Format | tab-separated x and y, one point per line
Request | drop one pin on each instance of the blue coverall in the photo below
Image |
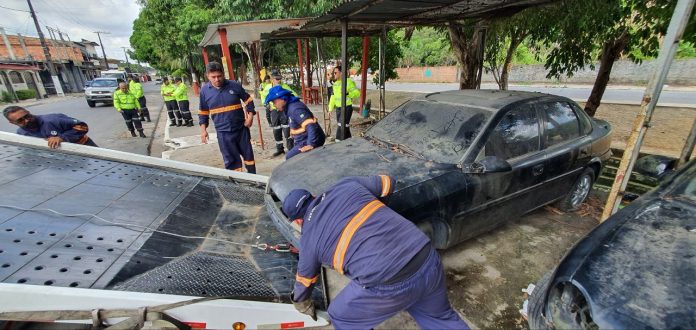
58	124
224	106
349	229
304	128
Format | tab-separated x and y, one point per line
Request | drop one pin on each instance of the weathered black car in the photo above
637	270
464	161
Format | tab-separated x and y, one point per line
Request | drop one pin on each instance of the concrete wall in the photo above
682	72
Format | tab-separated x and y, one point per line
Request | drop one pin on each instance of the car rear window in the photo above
105	83
441	132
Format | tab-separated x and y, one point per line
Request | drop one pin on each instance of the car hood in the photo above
322	167
637	269
100	89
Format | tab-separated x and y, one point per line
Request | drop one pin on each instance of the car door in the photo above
567	144
497	197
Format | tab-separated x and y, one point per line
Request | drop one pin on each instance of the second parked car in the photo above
101	90
464	161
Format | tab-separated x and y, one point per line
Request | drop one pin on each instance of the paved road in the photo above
620	95
106	126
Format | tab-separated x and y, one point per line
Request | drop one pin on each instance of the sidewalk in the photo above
184	144
48	100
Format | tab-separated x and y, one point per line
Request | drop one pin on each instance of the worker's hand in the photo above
306	148
248	119
306	307
204	136
54	142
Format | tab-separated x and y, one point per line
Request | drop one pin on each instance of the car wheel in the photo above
535	305
578	193
91	104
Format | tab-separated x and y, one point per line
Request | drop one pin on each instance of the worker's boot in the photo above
279	151
133	133
178	123
141	133
190	123
172	122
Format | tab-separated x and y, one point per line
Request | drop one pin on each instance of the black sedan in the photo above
637	270
465	161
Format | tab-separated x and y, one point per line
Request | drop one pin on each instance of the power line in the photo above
8	8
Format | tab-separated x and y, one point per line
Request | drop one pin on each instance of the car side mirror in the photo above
490	164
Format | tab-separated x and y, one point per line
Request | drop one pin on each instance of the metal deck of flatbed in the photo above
43	248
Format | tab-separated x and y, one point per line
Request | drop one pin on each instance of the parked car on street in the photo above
465	161
634	271
101	90
88	83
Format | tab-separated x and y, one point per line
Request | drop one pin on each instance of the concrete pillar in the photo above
27	55
226	53
7	44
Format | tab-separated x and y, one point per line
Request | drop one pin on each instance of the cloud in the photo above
78	18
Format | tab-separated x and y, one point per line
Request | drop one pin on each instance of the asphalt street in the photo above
106	126
631	95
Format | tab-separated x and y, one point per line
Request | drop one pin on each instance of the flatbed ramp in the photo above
76	221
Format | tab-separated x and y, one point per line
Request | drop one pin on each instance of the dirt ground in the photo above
485	275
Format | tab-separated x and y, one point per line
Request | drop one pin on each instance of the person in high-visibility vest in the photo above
137	89
127	104
342	132
181	96
167	91
391	263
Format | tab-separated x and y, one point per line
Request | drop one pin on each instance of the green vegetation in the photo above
6	97
25	94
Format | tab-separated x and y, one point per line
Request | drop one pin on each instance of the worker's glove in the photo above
305	307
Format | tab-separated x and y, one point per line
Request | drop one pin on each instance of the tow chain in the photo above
283	247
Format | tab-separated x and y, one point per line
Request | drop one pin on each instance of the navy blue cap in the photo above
296	203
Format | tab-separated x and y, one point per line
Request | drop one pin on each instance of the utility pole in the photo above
106	63
126	54
47	53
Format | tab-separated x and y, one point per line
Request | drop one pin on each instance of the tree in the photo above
466	40
608	29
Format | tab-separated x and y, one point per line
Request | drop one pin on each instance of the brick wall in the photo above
34	47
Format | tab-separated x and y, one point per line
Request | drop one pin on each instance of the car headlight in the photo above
568	308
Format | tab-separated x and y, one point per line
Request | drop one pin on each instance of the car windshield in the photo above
104	83
438	131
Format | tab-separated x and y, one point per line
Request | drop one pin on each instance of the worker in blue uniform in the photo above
391	263
221	100
304	129
55	127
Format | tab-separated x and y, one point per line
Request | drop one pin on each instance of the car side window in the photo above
516	134
585	121
562	123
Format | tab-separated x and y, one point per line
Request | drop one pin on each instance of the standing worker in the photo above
391	263
55	128
167	91
306	132
335	102
137	89
221	100
127	104
181	96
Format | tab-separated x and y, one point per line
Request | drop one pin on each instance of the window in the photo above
561	123
517	134
585	121
16	78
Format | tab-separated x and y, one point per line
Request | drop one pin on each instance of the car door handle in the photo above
538	170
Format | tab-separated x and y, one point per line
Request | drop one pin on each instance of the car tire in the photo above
578	193
535	304
91	104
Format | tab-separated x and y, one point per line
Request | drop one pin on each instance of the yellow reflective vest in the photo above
351	92
181	92
125	101
165	89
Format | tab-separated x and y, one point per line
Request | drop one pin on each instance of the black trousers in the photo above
340	130
173	111
132	119
184	110
144	112
279	123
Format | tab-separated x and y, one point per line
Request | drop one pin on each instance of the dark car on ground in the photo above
637	270
464	161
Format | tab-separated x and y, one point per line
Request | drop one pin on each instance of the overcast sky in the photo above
78	18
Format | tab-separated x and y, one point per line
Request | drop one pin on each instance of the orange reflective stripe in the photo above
386	185
349	231
249	162
225	109
203	112
303	126
82	140
238	169
80	128
306	281
248	99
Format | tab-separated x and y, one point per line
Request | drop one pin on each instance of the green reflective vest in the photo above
136	88
125	101
165	89
351	92
181	92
